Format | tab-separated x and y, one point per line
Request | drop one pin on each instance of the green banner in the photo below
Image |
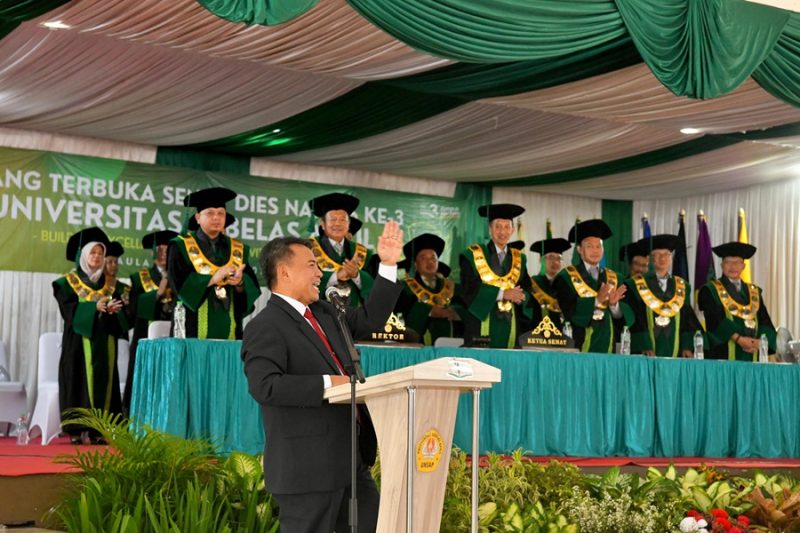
45	197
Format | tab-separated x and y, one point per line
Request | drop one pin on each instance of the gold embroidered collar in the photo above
427	296
583	289
327	264
666	309
88	294
203	265
744	311
543	298
147	281
490	277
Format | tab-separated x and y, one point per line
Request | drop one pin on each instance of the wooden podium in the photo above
414	412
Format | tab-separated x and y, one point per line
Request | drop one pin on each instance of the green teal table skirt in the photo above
585	405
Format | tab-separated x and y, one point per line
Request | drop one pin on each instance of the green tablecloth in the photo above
547	404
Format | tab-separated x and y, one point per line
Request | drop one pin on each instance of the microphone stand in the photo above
357	374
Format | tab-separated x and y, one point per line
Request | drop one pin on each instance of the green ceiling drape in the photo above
493	31
779	74
475	81
702	48
263	12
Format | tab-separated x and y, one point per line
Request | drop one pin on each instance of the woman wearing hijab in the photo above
90	306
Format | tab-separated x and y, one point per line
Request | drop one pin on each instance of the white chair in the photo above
158	329
47	413
123	355
13	400
456	342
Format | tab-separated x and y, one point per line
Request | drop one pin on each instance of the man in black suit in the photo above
289	365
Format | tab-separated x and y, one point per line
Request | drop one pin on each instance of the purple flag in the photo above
703	262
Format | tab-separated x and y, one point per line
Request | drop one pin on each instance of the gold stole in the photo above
203	265
147	281
746	312
427	296
88	294
326	262
543	298
583	289
664	309
489	277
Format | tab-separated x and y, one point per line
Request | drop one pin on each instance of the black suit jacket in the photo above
307	439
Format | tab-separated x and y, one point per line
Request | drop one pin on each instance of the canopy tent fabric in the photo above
556	95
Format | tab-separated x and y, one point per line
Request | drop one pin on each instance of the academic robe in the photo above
87	372
416	309
721	323
330	261
484	317
207	316
548	299
646	333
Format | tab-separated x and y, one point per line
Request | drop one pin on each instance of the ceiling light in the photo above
276	130
690	131
56	25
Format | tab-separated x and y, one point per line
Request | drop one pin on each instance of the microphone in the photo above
334	296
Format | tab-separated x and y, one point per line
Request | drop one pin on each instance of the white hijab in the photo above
84	261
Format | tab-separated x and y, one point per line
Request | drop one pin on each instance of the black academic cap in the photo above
333	201
157	238
546	246
589	228
355	225
504	211
444	269
633	249
114	249
426	241
516	245
735	249
660	242
211	197
193	224
77	241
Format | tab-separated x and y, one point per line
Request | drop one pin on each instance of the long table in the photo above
560	404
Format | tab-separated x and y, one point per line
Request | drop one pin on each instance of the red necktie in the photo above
314	324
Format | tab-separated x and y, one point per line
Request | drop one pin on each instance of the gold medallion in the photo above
220	292
662	321
749	323
598	314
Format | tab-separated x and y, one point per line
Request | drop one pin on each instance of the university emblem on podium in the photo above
429	451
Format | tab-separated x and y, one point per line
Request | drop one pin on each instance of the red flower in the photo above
724	522
742	519
719	513
694	514
735	530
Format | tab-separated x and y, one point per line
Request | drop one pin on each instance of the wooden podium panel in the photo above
414	412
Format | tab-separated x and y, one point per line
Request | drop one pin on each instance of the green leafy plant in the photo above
152	481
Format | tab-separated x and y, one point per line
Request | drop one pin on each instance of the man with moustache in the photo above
292	352
544	301
636	256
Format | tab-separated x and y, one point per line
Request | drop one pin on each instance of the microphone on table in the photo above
334	295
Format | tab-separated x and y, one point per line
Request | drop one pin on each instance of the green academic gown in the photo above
592	329
722	322
484	317
664	321
544	302
329	262
144	308
207	315
87	374
416	302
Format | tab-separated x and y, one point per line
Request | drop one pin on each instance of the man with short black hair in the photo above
292	352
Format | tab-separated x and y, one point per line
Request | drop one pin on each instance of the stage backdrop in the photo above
45	197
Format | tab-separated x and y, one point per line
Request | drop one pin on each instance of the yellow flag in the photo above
743	238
